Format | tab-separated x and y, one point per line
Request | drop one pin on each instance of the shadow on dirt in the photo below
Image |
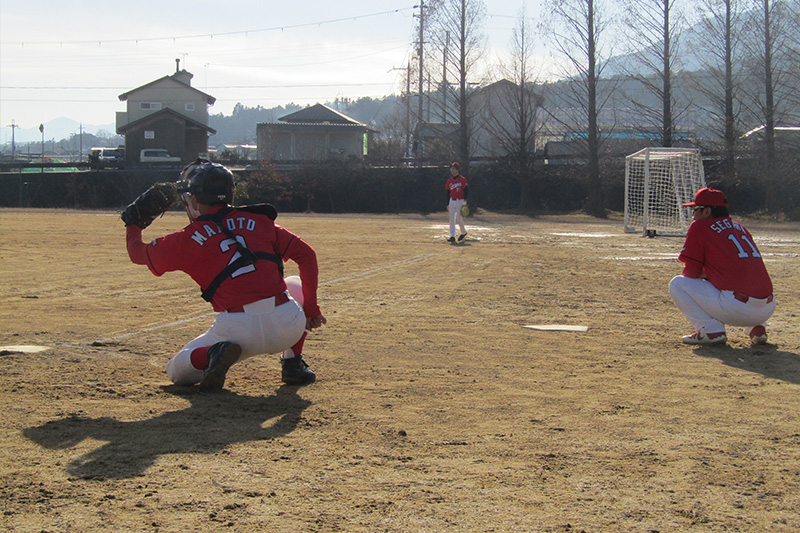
210	424
766	360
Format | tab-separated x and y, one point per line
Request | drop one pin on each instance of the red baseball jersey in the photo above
723	251
456	186
203	250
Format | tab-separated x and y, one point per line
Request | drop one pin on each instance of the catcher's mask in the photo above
211	183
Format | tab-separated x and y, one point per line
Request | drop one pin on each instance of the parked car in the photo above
157	155
107	157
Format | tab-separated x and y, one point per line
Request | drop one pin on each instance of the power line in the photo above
296	86
272	49
100	42
252	56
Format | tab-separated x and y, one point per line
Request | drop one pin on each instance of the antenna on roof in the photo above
177	65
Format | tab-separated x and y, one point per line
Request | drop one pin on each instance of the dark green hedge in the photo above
350	187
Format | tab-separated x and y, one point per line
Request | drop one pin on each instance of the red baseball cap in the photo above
709	198
456	166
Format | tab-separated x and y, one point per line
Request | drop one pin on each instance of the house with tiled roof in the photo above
315	133
167	113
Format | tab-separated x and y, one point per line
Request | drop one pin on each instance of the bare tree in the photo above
653	28
454	33
722	57
392	144
510	115
575	28
774	73
398	125
791	10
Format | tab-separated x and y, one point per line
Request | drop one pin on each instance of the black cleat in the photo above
451	239
295	371
221	357
462	237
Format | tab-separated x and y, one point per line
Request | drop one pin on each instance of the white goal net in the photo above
657	182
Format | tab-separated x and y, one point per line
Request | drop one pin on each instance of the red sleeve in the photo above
142	253
137	250
692	269
290	246
692	254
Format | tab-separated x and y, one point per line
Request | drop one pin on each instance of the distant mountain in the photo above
58	129
689	56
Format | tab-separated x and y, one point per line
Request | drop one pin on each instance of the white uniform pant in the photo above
261	329
454	209
709	309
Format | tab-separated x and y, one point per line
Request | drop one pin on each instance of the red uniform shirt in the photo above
456	186
723	251
202	250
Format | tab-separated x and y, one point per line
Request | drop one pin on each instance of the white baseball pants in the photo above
454	209
261	329
709	309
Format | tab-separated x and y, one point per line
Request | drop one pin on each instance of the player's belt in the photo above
745	298
280	299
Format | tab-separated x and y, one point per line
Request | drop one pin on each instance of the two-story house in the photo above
167	113
494	116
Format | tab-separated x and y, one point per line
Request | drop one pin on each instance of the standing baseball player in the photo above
457	192
724	280
236	255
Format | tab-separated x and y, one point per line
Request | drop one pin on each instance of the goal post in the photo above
657	182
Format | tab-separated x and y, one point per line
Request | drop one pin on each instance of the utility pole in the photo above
420	92
408	109
463	138
13	127
445	87
80	133
41	129
421	53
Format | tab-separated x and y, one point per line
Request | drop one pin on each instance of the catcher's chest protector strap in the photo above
246	256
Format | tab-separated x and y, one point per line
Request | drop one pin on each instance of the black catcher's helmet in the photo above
211	183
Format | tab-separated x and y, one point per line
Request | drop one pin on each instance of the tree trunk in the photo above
594	201
772	195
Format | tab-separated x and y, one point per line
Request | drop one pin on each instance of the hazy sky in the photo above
74	58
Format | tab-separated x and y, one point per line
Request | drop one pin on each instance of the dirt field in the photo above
434	410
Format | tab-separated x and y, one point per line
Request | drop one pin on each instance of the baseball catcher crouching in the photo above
236	255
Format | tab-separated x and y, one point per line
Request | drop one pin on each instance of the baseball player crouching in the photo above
236	255
724	280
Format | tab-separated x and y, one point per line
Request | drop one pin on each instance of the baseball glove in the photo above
464	210
150	205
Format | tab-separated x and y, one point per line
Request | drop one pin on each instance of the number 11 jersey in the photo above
723	251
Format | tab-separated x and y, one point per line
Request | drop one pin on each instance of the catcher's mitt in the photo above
464	210
150	205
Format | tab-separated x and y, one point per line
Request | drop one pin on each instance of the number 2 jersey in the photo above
723	251
203	250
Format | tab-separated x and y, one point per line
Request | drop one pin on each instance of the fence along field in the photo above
435	408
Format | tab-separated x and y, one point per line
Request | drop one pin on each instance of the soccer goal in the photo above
657	182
